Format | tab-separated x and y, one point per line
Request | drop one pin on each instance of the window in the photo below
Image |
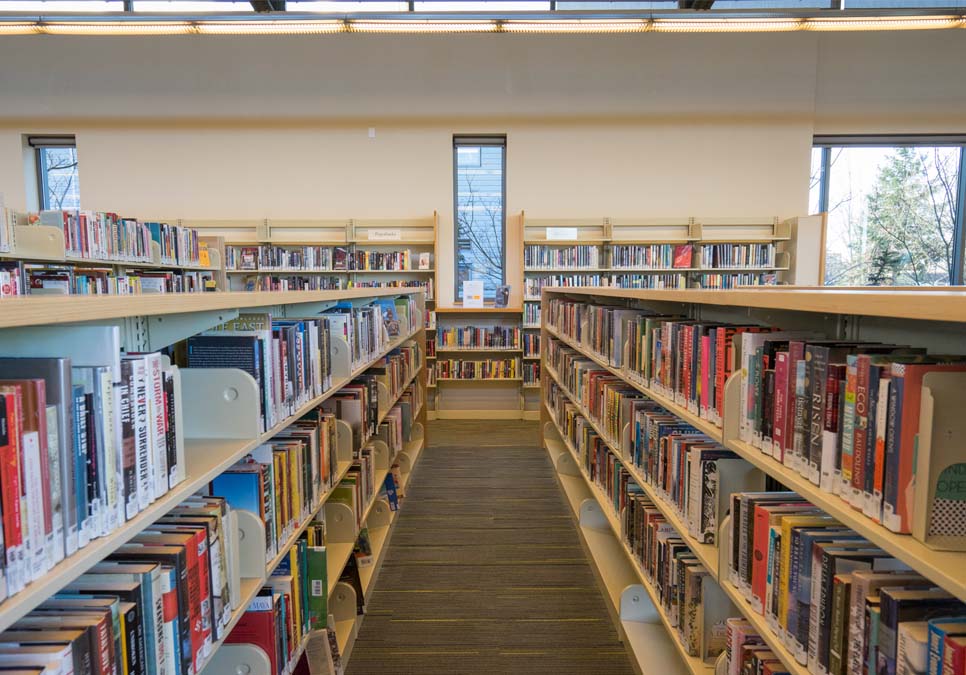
479	167
58	185
894	216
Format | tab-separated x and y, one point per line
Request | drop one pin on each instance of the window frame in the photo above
477	140
827	142
39	144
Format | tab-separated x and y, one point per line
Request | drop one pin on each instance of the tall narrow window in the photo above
479	168
894	211
58	184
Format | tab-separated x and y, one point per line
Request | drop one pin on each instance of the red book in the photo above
257	627
780	417
11	430
35	419
705	372
682	255
954	655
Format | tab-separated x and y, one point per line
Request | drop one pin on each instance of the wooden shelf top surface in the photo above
927	304
41	310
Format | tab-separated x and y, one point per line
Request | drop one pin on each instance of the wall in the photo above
648	125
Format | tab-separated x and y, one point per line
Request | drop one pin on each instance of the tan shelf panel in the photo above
927	304
497	350
46	310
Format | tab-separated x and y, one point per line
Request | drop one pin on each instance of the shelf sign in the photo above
561	233
385	235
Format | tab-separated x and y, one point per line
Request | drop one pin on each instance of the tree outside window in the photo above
59	182
892	214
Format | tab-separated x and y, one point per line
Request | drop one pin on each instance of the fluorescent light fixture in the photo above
417	26
18	28
115	28
725	25
884	23
268	27
576	26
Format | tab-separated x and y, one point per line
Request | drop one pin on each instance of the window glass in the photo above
891	215
480	208
59	182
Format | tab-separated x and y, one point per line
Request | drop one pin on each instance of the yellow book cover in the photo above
295	482
124	648
293	558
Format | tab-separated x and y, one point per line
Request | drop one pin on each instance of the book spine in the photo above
779	422
861	424
816	374
894	431
848	428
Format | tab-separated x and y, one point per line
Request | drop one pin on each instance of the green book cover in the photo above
317	581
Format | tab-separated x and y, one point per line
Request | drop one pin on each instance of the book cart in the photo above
220	426
929	318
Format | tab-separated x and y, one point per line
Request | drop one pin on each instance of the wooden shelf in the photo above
926	304
287	272
693	664
479	310
478	380
497	350
206	458
942	567
48	310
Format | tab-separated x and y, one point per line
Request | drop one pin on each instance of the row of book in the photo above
531	372
430	319
479	337
746	652
278	258
533	285
430	348
531	344
685	467
531	314
537	256
693	605
737	255
276	282
155	606
651	256
85	448
859	442
837	602
426	284
19	278
735	280
488	369
284	480
293	257
290	359
108	236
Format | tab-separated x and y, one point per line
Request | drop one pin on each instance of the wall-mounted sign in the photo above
561	233
385	235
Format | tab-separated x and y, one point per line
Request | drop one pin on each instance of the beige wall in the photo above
653	125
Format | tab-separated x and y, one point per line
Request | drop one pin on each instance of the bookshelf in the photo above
466	339
933	319
219	416
42	240
658	253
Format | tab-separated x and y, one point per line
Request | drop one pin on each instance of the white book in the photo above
157	426
32	507
142	433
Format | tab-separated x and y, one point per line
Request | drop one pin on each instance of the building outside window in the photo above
894	215
479	169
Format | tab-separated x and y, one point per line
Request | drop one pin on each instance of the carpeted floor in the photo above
485	572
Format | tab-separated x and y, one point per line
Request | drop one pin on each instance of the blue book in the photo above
391	496
938	629
241	489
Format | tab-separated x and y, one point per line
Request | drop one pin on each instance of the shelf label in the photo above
385	235
561	233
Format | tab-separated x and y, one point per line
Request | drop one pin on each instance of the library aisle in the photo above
485	572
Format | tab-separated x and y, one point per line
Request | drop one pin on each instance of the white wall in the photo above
646	125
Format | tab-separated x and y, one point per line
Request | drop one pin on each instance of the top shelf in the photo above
46	310
479	310
927	304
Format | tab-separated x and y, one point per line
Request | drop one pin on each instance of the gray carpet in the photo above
485	572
